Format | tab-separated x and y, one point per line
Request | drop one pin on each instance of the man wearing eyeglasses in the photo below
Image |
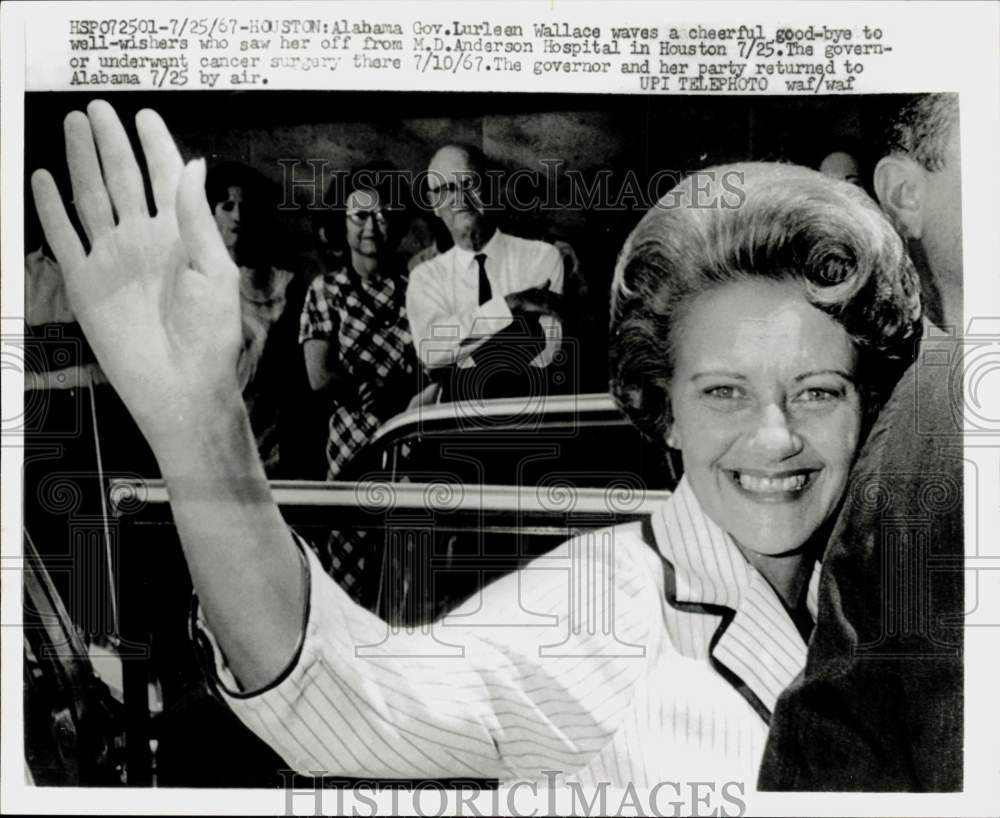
485	313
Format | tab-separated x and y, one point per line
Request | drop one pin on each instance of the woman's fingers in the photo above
198	230
162	158
121	171
59	231
89	194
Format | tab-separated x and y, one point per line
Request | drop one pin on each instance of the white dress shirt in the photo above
442	299
615	661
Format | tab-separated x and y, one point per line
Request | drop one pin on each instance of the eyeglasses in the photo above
467	185
360	217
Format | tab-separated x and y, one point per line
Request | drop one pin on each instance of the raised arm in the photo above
158	299
539	685
157	296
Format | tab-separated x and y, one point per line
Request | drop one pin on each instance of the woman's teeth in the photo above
770	485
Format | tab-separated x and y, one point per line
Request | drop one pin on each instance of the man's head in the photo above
918	182
454	180
841	165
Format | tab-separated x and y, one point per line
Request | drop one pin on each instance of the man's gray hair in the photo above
922	127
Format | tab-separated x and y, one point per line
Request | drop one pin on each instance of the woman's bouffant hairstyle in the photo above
769	222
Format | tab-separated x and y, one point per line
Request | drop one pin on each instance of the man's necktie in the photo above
485	291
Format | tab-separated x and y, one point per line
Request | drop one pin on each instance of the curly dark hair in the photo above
256	245
764	221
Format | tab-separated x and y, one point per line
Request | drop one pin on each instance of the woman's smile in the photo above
766	412
772	488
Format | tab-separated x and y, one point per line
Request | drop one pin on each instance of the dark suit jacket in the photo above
879	704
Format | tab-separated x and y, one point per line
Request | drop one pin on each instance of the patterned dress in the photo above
365	319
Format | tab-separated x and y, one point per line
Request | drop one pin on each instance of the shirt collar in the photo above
709	568
465	257
758	644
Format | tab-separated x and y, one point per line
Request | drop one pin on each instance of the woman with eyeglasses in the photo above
243	206
354	332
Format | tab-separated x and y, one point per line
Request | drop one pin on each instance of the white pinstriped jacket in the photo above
605	660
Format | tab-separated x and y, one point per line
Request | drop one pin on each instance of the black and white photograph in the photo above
393	450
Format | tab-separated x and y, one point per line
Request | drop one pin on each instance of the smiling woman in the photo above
753	338
756	340
354	330
767	417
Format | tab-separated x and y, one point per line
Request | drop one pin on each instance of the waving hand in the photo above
157	295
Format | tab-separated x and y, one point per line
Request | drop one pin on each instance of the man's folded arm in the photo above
440	334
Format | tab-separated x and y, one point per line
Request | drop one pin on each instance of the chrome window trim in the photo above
588	404
129	495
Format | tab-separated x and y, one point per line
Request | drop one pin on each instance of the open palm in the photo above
157	295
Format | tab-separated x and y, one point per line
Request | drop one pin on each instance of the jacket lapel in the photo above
756	646
760	645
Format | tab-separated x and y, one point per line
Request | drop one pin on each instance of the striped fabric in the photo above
616	662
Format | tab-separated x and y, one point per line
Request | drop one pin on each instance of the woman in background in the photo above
243	207
357	345
354	332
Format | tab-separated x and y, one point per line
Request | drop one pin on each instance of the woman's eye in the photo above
818	394
724	392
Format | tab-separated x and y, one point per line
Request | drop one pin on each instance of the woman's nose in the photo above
774	435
